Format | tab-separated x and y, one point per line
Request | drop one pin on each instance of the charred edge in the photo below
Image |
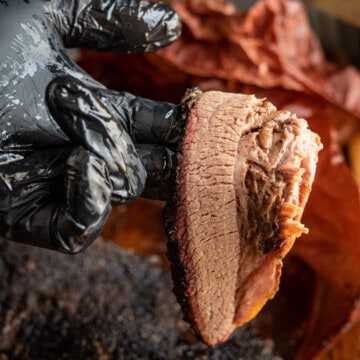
178	275
178	272
187	103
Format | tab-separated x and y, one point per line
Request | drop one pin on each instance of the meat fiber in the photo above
245	171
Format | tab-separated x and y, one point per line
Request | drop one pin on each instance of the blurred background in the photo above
336	22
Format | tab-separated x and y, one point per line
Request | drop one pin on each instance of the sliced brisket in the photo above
244	176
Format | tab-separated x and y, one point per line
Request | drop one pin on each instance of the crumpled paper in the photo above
272	52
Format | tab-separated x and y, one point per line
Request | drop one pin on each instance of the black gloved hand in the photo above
66	159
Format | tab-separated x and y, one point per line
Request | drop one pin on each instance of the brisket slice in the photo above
244	175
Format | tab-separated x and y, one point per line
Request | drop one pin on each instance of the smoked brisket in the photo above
245	171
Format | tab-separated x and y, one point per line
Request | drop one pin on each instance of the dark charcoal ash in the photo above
104	304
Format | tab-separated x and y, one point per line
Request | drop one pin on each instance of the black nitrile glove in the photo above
70	148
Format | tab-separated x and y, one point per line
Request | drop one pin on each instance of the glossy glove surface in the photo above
69	147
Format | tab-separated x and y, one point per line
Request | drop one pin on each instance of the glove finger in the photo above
30	187
159	163
147	121
36	208
85	119
119	25
80	220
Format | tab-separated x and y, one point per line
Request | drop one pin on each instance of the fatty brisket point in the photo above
244	174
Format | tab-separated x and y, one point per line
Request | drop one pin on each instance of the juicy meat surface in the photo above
245	172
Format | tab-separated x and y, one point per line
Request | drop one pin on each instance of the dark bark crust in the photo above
178	271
